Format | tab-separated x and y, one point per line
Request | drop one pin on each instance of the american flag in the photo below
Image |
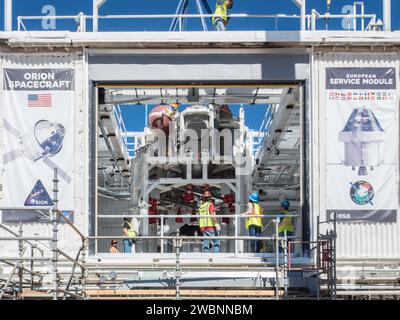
39	100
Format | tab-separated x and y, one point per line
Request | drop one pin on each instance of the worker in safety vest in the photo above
220	18
254	221
128	231
209	226
285	224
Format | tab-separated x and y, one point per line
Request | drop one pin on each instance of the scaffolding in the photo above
15	289
77	288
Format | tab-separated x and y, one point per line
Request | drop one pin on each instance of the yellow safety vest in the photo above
221	11
255	221
203	211
131	231
286	224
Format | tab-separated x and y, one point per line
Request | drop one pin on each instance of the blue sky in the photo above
254	113
73	7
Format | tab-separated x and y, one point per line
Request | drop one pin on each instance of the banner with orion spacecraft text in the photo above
38	131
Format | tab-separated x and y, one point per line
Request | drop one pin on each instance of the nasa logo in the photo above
38	196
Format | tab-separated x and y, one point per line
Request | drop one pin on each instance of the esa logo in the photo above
340	216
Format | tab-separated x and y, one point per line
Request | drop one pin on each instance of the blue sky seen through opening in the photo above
135	115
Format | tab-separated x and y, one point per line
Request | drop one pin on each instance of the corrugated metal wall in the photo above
68	239
355	240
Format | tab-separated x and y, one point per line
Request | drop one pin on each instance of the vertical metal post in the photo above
96	5
362	17
55	231
84	270
162	234
7	15
318	260
95	16
178	244
355	17
277	284
82	22
313	19
334	258
237	222
387	15
32	256
285	275
303	16
20	253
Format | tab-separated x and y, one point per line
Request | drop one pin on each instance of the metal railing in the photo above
162	218
279	262
134	141
81	18
280	244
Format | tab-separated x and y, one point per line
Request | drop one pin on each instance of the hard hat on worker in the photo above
285	204
254	197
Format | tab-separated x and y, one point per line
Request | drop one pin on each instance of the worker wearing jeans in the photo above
255	231
207	242
208	224
220	19
128	231
254	221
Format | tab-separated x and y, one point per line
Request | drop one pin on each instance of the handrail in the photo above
82	18
74	261
59	214
195	216
187	237
33	245
23	268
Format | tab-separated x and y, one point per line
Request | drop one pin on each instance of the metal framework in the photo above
179	21
15	289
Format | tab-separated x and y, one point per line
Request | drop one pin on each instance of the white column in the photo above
303	15
387	18
95	16
7	15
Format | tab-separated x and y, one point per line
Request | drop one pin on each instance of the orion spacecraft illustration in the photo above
362	137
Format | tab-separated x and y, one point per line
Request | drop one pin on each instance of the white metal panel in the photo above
68	239
355	240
